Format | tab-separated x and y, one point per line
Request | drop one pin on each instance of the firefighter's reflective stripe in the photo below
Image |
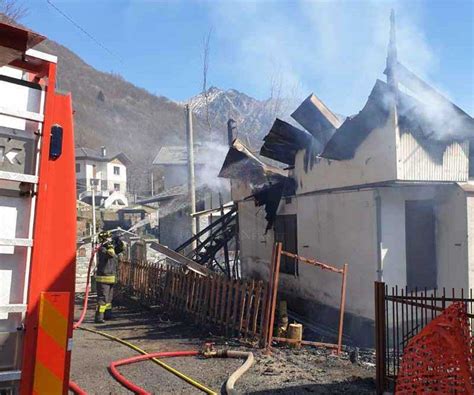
105	279
102	308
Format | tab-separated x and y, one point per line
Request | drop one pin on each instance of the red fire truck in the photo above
37	219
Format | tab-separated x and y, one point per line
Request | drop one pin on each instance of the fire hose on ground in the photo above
154	357
208	354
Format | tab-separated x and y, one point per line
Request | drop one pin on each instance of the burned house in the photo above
386	191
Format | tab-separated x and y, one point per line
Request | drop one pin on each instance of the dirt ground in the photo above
285	371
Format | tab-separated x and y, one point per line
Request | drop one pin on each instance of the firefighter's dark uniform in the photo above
106	272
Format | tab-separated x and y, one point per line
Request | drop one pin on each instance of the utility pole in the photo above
191	180
152	185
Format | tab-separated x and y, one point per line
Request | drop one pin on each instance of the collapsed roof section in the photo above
317	118
438	117
176	199
283	141
241	163
354	130
435	122
269	183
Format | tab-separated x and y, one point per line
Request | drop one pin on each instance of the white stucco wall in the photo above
255	245
338	228
104	171
470	237
113	178
451	236
374	161
452	239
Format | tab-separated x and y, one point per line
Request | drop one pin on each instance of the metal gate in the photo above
400	314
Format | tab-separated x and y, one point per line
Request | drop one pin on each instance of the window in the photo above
78	167
116	187
116	170
285	232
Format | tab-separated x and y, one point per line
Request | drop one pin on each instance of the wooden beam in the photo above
181	259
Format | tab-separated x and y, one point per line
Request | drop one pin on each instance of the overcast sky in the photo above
335	49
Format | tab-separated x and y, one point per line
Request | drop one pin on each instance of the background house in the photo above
109	172
173	163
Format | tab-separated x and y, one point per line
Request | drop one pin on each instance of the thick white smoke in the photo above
336	49
212	155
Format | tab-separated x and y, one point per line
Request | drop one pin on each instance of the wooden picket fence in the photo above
236	307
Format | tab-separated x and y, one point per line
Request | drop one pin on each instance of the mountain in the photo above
253	117
112	112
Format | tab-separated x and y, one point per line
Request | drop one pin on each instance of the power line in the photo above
83	30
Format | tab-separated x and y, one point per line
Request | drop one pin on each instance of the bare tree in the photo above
12	11
205	67
275	101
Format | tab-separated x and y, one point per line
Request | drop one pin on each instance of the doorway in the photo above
420	244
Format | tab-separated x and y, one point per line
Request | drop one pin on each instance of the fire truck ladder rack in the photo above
23	186
211	241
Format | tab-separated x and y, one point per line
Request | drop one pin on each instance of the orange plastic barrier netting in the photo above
439	360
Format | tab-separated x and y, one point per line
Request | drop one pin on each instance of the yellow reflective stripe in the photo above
102	308
108	306
105	279
46	382
53	322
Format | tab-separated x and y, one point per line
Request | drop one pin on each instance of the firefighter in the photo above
110	250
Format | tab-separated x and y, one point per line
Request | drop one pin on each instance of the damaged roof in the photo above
175	199
177	155
354	130
241	163
283	141
433	130
317	118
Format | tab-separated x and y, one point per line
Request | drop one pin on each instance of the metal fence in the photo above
236	307
401	314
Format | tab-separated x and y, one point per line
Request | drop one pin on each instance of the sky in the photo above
334	49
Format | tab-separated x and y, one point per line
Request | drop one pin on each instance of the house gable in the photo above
366	145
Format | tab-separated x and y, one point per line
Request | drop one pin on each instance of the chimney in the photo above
103	151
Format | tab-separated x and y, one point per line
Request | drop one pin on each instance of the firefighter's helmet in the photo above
104	236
